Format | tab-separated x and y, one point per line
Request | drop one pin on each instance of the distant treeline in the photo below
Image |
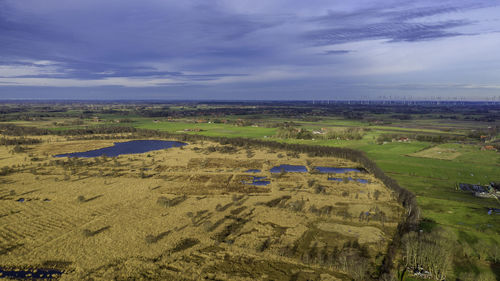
405	197
13	130
437	138
18	141
329	134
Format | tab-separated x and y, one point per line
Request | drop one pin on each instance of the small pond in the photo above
494	211
289	168
30	274
258	181
363	181
252	171
472	187
129	147
335	179
336	170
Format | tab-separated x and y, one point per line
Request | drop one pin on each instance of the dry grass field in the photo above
187	213
437	153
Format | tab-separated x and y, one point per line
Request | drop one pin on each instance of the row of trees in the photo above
351	258
345	133
13	130
18	141
420	137
330	134
294	133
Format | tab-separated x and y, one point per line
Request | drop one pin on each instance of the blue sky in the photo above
259	49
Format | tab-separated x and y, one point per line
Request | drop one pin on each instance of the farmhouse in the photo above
477	190
193	130
319	132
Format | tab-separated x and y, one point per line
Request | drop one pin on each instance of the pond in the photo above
30	274
129	147
494	211
289	168
335	179
336	170
473	187
258	181
252	171
363	181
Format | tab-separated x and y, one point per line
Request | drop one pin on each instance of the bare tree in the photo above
431	252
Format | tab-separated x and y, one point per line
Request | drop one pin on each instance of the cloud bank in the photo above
248	49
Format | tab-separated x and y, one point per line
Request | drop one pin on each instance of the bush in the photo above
185	244
165	202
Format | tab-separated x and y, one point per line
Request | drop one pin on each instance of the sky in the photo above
250	50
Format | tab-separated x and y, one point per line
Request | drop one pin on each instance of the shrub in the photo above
164	201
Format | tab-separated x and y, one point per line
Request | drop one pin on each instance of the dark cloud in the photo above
336	52
388	23
200	43
393	31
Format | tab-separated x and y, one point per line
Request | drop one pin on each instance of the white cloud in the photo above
27	70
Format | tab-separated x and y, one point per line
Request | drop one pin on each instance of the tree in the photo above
430	251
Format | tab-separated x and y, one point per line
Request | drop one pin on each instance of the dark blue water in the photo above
289	168
473	187
252	171
336	170
129	147
24	274
334	179
494	211
258	181
363	181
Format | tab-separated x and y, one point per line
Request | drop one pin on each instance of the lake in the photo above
129	147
